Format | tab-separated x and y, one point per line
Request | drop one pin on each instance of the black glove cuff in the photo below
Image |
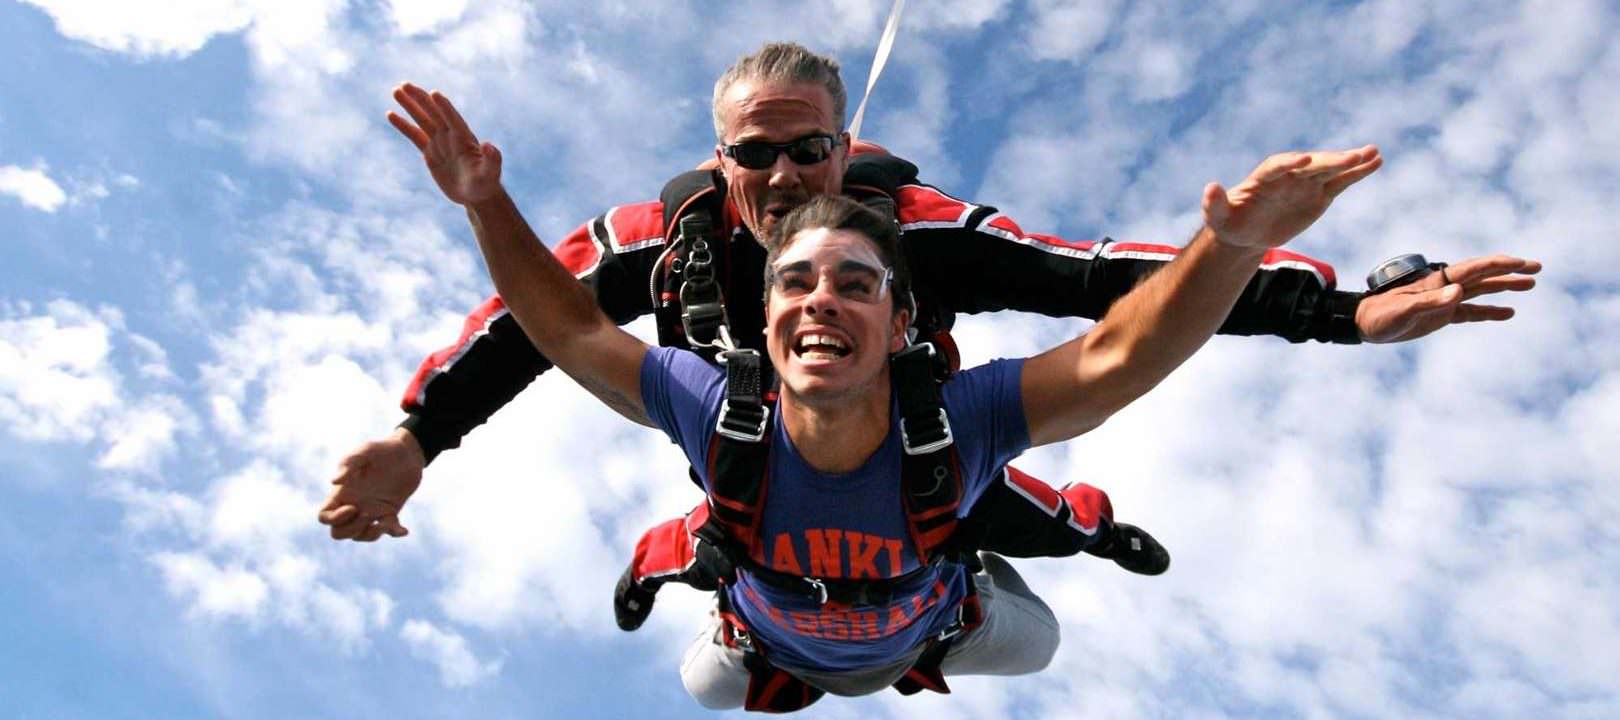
1336	322
432	444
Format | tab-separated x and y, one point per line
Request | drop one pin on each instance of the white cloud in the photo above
60	381
255	511
170	29
218	592
55	379
87	191
414	17
1067	31
146	436
32	186
458	667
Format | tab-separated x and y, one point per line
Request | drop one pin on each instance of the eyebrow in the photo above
843	267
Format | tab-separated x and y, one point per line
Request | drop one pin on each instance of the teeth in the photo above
827	340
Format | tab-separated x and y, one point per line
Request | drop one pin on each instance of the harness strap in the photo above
770	688
874	592
930	472
743	414
926	673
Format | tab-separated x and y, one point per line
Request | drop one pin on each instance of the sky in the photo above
222	266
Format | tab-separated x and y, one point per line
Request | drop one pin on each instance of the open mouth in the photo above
812	346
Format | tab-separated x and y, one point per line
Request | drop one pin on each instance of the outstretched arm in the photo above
555	311
374	481
1158	325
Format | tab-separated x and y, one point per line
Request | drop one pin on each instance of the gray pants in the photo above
1019	635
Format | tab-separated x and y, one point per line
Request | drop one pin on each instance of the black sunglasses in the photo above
807	150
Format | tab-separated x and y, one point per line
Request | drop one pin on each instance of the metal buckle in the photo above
820	587
701	318
745	436
740	637
905	437
955	628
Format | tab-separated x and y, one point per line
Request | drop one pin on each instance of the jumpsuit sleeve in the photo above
968	258
459	387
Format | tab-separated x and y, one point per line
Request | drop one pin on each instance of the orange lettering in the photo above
835	624
897	619
863	560
804	623
824	555
863	625
893	546
783	558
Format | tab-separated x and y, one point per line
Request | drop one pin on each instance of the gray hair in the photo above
785	63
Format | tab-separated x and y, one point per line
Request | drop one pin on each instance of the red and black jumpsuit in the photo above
963	257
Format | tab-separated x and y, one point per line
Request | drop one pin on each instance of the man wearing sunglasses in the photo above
779	116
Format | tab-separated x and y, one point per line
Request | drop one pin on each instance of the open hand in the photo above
371	487
1284	195
466	170
1440	298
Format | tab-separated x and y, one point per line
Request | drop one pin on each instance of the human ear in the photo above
897	338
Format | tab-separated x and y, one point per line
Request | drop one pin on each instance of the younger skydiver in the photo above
836	309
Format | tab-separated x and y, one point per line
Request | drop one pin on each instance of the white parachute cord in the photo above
882	57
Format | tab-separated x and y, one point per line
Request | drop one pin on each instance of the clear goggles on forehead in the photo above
850	279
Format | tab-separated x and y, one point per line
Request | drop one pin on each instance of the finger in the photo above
338	515
1280	164
1436	298
492	155
1216	207
452	117
1490	266
410	131
1510	283
420	107
391	526
1353	175
370	532
350	529
1467	313
1328	162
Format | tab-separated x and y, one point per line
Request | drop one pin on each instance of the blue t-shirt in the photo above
851	525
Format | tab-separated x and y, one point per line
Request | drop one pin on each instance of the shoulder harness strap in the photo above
739	461
930	472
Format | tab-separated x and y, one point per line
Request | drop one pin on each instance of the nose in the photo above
823	300
784	173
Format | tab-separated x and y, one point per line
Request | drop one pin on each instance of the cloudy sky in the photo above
222	266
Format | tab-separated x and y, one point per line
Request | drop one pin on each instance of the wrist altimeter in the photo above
1400	270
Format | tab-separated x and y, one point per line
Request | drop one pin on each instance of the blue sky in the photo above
223	265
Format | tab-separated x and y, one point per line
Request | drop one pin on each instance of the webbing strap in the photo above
930	472
743	414
878	61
